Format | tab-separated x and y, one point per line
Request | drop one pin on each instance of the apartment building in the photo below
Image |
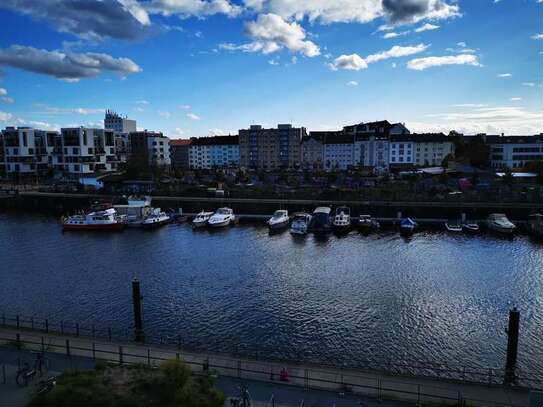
313	151
26	151
179	154
430	149
514	152
214	152
85	151
271	149
119	124
338	151
150	146
401	150
371	151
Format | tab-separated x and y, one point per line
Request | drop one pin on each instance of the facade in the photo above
24	150
431	149
85	151
118	124
514	152
214	152
338	151
151	146
401	151
371	151
179	154
271	149
313	151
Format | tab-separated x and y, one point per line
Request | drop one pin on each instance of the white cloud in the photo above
504	75
69	66
353	62
426	27
361	11
83	111
393	34
139	109
4	117
396	52
7	99
537	37
352	83
3	92
193	116
184	107
420	64
529	84
164	114
470	105
515	99
273	62
142	102
497	119
193	8
270	33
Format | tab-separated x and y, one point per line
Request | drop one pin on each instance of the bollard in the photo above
138	321
512	346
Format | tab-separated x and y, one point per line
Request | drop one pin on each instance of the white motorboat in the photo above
535	224
155	219
367	224
498	222
470	227
201	219
300	223
342	220
223	217
103	220
408	226
279	220
453	226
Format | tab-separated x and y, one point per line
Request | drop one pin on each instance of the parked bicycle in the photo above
244	399
45	386
26	373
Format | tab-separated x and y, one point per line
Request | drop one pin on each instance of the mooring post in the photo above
138	321
512	346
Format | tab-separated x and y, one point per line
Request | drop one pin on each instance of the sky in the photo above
194	68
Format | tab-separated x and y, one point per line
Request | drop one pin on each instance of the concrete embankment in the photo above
64	202
414	389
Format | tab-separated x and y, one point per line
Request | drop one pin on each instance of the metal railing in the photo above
491	376
354	385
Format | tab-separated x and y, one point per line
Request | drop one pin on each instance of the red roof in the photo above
180	142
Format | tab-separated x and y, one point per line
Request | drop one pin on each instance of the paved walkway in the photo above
374	385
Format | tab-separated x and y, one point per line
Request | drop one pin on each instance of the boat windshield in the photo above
223	211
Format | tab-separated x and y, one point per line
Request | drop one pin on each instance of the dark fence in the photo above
475	374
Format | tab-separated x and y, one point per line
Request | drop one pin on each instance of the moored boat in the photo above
408	226
105	220
498	222
535	224
470	227
300	223
320	221
223	217
342	220
453	226
366	224
155	219
200	220
279	220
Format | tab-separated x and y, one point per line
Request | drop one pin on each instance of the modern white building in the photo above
24	150
514	152
85	151
372	152
119	124
401	151
214	152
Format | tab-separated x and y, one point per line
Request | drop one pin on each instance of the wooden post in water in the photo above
138	320
512	346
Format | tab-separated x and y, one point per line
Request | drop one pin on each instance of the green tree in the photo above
536	167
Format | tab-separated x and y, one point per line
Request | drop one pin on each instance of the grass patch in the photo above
171	385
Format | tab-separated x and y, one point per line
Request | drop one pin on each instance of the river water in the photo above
434	297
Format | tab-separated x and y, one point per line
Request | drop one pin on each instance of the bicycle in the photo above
45	386
244	400
27	374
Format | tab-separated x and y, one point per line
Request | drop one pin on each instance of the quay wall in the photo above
62	203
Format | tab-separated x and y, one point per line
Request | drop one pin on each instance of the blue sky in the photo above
199	67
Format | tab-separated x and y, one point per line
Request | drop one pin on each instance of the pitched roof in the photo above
180	142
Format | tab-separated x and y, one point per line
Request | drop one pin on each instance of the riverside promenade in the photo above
379	386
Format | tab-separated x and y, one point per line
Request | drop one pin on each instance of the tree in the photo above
508	178
536	167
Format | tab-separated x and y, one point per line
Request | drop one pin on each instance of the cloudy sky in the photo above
200	67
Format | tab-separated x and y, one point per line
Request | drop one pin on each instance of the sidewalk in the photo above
374	385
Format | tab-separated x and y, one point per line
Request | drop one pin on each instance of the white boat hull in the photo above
221	224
